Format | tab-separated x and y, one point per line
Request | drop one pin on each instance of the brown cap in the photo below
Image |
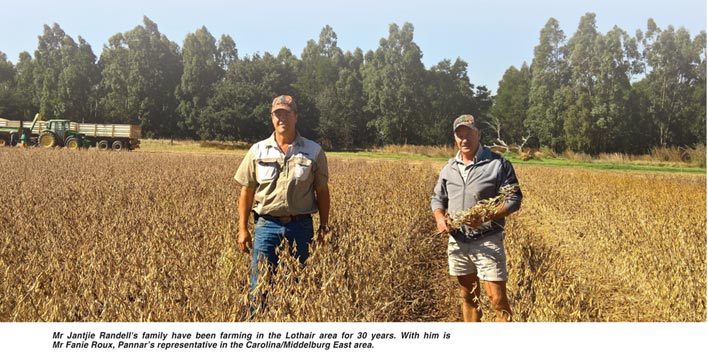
466	120
283	102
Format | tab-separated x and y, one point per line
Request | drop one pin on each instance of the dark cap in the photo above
283	102
465	119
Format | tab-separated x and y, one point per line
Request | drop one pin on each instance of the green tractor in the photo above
17	132
58	132
9	136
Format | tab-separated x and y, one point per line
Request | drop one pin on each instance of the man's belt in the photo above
461	236
285	219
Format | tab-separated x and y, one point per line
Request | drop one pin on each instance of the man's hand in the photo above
321	232
323	206
245	243
478	220
474	222
441	222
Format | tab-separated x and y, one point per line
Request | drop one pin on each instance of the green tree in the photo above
618	62
675	84
27	101
116	105
549	74
578	124
227	51
643	133
511	104
480	109
598	95
393	84
64	75
8	98
202	69
48	68
77	82
450	93
350	91
697	110
317	74
240	106
141	71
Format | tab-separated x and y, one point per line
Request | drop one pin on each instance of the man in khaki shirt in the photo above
284	180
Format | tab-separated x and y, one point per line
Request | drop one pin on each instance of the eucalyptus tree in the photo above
549	75
115	103
697	110
78	80
618	62
511	104
7	71
27	100
450	93
393	84
64	74
240	106
141	71
46	71
202	70
227	51
481	107
317	75
597	107
350	91
674	86
8	99
579	123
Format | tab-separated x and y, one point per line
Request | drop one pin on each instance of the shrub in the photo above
697	155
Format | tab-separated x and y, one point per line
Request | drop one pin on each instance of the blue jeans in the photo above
268	236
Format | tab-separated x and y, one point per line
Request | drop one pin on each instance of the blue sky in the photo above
490	35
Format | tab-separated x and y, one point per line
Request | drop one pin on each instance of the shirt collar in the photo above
477	156
297	145
272	143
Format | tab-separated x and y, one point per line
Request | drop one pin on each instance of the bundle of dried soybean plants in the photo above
482	211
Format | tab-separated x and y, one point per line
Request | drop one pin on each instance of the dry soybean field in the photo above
140	236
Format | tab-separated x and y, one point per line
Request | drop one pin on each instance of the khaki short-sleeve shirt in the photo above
285	183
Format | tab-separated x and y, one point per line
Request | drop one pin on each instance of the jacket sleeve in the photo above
440	199
508	178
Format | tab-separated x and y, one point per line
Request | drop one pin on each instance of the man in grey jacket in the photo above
476	251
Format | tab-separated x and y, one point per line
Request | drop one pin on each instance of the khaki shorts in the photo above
485	257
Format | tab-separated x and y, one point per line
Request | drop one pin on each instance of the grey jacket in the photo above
490	172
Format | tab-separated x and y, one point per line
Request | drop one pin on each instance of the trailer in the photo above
61	132
8	135
111	136
14	132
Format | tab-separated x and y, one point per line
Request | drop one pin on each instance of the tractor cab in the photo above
58	132
59	127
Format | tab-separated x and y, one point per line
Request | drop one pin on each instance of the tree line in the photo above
608	92
591	93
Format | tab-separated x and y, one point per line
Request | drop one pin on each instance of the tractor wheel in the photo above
72	143
102	145
13	139
48	140
117	145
